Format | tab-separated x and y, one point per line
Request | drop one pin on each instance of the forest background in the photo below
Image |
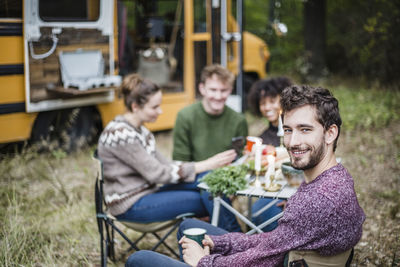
360	39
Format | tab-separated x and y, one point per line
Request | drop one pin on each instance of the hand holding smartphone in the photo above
238	145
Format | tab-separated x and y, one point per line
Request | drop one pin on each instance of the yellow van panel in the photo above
11	50
256	54
167	119
171	104
109	110
18	125
12	89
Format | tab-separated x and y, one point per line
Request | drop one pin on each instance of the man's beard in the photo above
314	158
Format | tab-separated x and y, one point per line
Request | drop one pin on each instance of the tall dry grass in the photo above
47	210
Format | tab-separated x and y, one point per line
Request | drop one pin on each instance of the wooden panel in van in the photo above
46	72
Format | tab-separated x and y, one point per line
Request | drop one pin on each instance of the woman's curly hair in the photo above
268	87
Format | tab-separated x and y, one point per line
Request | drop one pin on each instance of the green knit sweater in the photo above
199	135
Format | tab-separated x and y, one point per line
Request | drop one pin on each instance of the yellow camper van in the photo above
62	61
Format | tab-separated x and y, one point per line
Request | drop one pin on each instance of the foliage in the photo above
226	180
362	37
285	50
367	108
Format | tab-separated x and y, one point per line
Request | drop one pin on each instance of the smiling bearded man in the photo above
322	217
311	129
307	148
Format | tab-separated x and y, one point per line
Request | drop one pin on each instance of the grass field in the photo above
47	203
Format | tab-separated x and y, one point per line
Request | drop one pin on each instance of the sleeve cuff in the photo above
187	171
221	244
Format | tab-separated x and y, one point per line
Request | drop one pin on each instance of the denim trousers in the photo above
267	214
174	199
151	258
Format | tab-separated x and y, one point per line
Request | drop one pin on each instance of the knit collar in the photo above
320	177
211	115
139	130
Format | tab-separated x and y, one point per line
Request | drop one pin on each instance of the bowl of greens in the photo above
226	180
294	176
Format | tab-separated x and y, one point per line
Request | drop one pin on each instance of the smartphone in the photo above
238	144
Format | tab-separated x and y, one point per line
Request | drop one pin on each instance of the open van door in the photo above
69	53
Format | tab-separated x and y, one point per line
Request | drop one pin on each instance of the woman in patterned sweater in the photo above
134	169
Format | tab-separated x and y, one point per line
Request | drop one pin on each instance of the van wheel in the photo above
69	129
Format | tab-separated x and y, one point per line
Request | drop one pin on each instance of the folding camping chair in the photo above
107	227
310	258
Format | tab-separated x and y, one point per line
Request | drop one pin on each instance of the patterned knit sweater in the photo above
132	165
323	215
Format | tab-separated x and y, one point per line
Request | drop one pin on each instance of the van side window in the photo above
69	10
10	9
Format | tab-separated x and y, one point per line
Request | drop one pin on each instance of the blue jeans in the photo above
268	214
150	258
145	258
175	199
164	205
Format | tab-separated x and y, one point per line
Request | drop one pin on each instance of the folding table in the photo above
284	193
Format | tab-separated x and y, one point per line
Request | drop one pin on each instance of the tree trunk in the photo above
314	38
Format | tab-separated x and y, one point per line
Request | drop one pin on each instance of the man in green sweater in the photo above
207	127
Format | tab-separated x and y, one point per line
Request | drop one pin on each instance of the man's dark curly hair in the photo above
326	104
269	87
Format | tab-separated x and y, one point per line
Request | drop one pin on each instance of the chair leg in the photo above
349	260
162	240
133	245
104	257
107	240
110	242
165	245
140	238
136	243
103	254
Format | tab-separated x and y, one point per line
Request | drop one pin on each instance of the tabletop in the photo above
284	193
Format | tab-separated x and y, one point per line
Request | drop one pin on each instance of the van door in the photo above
69	53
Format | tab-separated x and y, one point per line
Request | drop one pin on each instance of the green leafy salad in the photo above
226	180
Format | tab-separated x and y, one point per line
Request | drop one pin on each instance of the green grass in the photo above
364	109
47	210
47	206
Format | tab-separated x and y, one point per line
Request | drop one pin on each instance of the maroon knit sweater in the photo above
323	215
